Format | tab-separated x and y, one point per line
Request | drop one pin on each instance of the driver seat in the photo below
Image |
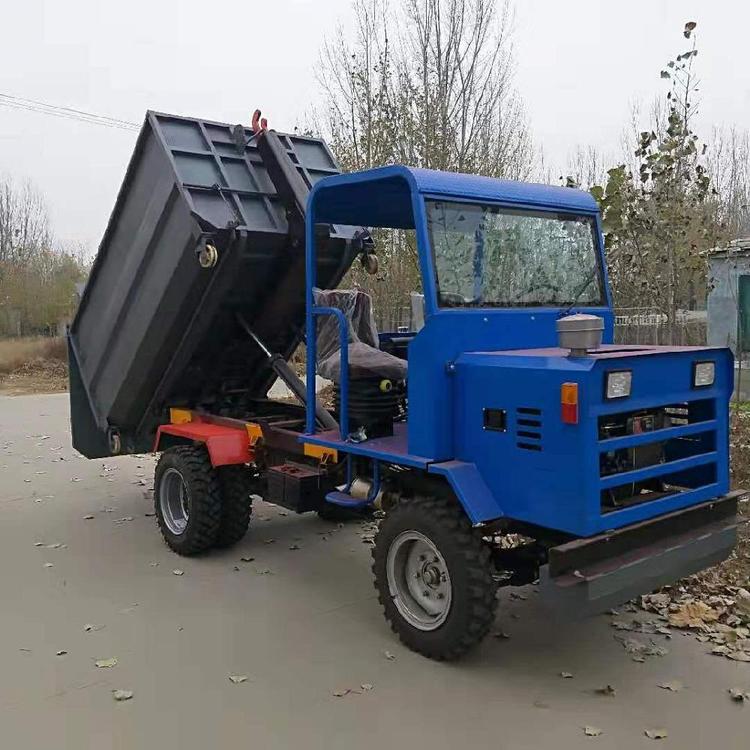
366	360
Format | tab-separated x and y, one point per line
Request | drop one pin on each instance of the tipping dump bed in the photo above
154	329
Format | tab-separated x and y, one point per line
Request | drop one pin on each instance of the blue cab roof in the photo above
384	196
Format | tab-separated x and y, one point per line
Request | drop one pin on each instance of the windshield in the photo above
487	256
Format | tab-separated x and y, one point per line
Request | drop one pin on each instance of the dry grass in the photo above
18	353
33	365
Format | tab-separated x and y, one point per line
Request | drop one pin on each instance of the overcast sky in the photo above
581	63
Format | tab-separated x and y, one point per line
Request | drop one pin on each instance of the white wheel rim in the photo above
418	580
174	501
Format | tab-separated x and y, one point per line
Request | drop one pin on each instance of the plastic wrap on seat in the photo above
366	360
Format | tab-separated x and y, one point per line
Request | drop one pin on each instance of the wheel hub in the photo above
174	501
418	580
431	575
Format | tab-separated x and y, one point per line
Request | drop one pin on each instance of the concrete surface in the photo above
305	629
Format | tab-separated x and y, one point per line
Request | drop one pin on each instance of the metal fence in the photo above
640	325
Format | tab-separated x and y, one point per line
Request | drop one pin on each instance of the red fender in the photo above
226	445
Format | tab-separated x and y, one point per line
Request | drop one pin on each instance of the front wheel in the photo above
434	578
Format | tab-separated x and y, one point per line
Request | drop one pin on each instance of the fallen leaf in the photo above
154	564
738	656
366	686
673	685
89	628
656	734
48	565
566	675
592	731
237	678
269	541
607	690
342	692
39	544
623	625
294	546
106	663
247	559
61	653
388	655
122	695
742	604
178	572
639	648
89	517
693	615
739	695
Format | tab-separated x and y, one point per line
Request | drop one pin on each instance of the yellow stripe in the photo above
322	452
254	432
180	416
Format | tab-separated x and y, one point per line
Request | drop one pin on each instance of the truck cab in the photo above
584	449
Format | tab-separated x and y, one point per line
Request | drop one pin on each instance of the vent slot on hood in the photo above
529	428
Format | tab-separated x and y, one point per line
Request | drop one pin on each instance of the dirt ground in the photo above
35	377
79	547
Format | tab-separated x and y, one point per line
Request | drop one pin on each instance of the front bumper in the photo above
590	575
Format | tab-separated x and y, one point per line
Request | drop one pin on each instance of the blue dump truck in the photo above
508	416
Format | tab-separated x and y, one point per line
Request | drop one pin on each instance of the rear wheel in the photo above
434	578
237	504
187	499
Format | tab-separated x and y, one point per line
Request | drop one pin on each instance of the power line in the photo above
67	113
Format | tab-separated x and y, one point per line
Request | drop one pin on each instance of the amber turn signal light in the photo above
569	403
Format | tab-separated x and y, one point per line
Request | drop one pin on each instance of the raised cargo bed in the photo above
155	328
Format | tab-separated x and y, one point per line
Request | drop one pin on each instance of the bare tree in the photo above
24	221
456	73
37	280
428	83
729	165
357	78
586	168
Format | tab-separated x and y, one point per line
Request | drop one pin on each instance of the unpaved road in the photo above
307	628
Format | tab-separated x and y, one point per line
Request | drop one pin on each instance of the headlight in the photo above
618	384
703	374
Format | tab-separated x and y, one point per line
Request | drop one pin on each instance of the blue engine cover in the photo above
544	472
